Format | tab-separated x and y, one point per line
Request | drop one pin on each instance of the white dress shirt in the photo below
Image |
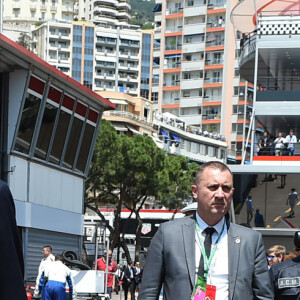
218	270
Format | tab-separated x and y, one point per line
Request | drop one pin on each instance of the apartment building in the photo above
195	73
133	115
108	12
32	11
52	41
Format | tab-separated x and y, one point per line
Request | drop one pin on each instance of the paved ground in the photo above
120	296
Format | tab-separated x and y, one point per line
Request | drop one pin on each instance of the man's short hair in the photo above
217	165
59	257
279	250
49	248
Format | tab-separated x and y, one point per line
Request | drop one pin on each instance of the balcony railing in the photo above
127	114
172	83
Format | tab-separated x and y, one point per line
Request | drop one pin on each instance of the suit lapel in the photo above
234	243
188	233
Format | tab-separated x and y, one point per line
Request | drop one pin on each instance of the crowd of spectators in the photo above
178	123
282	145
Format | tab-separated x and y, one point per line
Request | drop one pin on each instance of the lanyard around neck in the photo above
207	261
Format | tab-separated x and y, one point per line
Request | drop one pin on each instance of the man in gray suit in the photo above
233	266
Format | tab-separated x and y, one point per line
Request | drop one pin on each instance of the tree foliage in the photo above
24	40
142	13
175	182
123	172
126	171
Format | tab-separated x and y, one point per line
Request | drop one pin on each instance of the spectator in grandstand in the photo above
264	144
275	255
279	144
259	219
292	199
291	140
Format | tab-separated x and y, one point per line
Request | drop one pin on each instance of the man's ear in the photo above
194	191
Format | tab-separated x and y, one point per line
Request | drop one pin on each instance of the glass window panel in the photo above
73	143
27	124
45	131
60	137
85	147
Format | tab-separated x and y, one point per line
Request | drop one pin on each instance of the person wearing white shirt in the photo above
48	258
279	144
204	256
291	140
56	276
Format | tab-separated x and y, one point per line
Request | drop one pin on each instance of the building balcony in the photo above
104	10
33	7
123	15
128	67
191	101
157	17
53	8
16	6
174	11
211	117
173	47
68	9
193	47
107	19
43	7
195	11
210	62
194	29
192	65
192	83
124	5
125	116
128	78
106	65
213	42
113	3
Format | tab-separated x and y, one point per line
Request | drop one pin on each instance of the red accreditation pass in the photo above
210	293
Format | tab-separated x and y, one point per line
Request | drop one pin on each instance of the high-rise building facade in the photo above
195	72
32	11
108	12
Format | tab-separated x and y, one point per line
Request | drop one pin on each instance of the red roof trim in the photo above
54	94
93	116
51	69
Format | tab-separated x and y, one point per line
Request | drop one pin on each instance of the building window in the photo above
29	115
76	130
48	121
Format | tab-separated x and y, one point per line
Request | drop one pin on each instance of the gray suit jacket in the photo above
171	262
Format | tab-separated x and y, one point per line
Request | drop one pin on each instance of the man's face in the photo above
214	193
46	252
273	259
